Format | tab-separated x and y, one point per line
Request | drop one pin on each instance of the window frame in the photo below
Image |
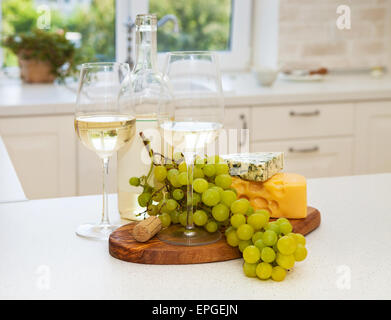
238	58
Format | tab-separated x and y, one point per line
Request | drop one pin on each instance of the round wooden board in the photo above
123	246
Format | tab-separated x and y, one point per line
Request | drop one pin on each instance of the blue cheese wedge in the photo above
257	166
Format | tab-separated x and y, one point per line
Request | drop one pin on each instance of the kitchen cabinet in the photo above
237	122
313	158
42	149
301	121
318	139
373	137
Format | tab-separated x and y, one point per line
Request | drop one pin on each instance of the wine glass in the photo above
196	120
102	125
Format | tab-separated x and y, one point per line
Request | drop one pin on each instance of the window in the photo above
218	25
98	27
203	24
90	24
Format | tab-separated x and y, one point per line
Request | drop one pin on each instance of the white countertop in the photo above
10	187
41	257
240	89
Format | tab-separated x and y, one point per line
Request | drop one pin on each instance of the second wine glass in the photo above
196	120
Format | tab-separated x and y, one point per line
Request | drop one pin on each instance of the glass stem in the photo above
105	213
189	158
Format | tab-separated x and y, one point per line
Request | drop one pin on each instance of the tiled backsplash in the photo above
309	37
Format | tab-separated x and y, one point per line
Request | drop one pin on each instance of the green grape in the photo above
160	173
278	273
177	156
211	226
256	236
240	206
178	194
232	239
265	212
183	218
243	244
182	178
264	270
153	210
251	254
174	180
209	170
214	159
199	162
211	197
245	232
282	220
299	238
200	185
134	181
259	244
300	253
220	212
249	269
250	211
257	221
285	261
228	230
223	180
221	168
269	237
211	185
218	189
171	205
227	197
268	254
182	167
286	245
143	199
200	217
198	173
157	196
171	173
196	199
165	219
237	220
174	216
285	227
273	226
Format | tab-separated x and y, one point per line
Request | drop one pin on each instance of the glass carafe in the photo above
148	95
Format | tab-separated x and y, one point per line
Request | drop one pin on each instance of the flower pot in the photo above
35	71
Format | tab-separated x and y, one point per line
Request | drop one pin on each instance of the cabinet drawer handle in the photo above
304	114
242	141
305	150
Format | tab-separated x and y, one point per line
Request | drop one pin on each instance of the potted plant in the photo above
42	55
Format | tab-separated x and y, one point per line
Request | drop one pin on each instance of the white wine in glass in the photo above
196	120
102	126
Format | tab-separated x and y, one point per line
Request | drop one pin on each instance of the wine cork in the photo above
147	228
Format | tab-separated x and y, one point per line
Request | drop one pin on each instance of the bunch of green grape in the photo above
212	195
269	248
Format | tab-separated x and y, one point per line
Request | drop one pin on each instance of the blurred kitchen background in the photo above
306	77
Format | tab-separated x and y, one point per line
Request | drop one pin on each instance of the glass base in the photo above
180	236
95	231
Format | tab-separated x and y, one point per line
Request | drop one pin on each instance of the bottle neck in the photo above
146	48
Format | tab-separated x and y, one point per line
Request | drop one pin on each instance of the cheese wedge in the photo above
283	195
256	166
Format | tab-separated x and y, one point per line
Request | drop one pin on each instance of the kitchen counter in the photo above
349	254
240	89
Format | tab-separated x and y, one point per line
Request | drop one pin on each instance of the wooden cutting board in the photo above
123	246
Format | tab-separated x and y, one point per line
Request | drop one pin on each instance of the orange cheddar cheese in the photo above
283	195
